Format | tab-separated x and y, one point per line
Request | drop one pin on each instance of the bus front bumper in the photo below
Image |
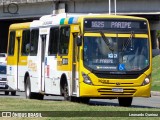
108	91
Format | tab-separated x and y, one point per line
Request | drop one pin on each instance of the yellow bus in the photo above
90	56
17	55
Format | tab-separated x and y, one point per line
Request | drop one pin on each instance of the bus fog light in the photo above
86	79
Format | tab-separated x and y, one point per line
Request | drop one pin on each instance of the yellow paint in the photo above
116	35
18	28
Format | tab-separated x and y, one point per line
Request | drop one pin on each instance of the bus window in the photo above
34	42
64	40
11	43
54	34
25	42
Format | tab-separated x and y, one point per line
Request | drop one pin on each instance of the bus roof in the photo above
59	19
25	25
64	18
36	23
112	16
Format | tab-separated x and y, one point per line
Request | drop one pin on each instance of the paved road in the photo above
153	102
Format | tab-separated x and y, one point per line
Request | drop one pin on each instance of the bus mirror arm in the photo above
43	37
79	40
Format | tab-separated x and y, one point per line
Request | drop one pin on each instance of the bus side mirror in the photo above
79	40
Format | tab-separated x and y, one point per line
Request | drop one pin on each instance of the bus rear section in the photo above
17	56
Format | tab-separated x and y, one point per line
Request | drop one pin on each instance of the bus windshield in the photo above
127	54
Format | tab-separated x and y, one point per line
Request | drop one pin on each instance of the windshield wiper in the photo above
106	41
128	41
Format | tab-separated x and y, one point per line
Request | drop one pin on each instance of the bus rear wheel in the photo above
13	93
28	89
6	92
66	93
40	96
29	94
125	101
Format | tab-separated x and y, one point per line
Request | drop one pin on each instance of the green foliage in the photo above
156	73
158	34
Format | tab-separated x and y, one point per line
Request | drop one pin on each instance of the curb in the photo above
155	93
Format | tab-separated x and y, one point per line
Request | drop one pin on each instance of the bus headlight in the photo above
86	79
146	80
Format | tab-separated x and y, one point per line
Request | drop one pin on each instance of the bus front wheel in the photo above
125	101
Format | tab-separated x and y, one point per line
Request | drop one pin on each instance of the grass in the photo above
14	104
22	104
156	73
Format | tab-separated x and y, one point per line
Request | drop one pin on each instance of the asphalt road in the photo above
152	102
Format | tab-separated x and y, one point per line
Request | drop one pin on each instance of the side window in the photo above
25	42
64	40
54	34
34	42
11	43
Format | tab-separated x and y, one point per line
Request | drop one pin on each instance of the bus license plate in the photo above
117	89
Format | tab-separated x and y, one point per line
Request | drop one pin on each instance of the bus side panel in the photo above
34	62
34	73
21	76
52	83
11	77
12	62
22	64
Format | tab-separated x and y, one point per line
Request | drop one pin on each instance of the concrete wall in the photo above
22	9
123	6
28	8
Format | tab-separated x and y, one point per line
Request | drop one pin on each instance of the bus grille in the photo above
117	76
109	92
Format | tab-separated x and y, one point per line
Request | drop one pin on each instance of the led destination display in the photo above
112	24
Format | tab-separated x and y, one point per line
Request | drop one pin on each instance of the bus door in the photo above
17	55
74	64
75	58
43	47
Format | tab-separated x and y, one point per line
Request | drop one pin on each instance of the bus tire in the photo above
66	93
125	101
28	89
13	93
40	96
6	92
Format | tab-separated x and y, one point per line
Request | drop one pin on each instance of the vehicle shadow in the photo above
101	103
53	100
3	94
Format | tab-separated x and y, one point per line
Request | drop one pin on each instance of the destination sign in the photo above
112	24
